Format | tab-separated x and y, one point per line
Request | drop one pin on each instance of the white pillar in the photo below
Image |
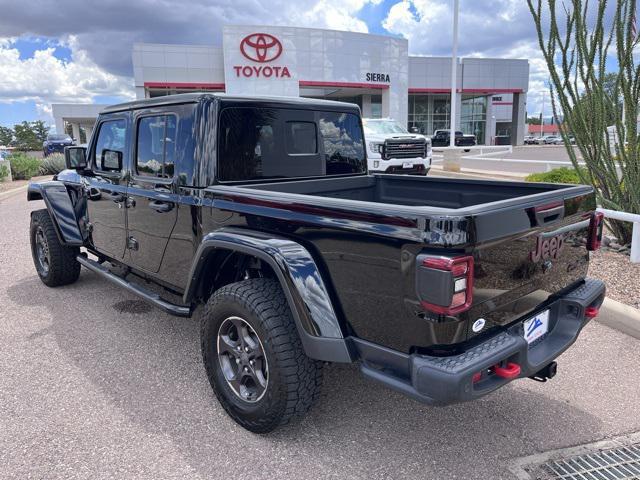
454	74
635	243
386	103
59	125
75	128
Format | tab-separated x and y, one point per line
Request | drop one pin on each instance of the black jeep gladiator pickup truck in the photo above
261	210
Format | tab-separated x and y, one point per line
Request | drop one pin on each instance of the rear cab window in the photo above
272	143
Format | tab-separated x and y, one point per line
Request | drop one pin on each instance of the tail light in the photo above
445	284
595	231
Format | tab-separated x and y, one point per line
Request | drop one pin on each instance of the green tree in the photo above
575	41
41	130
30	135
533	120
6	135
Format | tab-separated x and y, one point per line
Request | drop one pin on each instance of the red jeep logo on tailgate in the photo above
547	248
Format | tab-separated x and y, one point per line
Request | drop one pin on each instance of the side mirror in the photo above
111	160
75	158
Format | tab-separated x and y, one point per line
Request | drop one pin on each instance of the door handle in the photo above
161	207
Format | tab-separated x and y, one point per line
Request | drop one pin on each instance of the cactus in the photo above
575	41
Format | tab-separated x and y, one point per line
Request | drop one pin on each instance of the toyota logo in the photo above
261	47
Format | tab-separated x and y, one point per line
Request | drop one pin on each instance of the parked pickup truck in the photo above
392	149
261	211
440	138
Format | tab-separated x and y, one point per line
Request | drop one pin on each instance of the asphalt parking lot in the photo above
95	384
517	161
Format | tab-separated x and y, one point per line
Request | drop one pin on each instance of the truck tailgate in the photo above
516	274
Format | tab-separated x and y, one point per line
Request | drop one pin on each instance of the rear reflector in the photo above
595	231
591	312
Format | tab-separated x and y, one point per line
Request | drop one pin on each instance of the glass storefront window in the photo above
473	117
429	113
376	106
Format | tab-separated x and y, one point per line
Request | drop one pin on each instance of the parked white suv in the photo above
392	149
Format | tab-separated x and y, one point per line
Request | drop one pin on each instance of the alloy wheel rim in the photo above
42	252
242	359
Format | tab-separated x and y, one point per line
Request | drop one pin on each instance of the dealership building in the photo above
376	72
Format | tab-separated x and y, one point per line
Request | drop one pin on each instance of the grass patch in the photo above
557	175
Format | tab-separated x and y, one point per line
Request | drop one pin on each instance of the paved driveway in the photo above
512	163
94	384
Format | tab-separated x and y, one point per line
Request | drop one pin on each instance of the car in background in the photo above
530	140
550	140
4	153
392	149
56	142
440	138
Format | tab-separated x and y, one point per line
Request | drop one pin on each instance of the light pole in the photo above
542	116
454	75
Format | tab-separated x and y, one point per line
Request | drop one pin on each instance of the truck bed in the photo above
441	193
367	231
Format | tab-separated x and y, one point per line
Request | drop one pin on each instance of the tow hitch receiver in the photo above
546	373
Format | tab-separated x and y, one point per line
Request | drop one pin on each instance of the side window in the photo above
301	138
110	145
342	141
156	146
247	143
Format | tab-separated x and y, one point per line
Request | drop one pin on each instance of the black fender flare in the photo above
301	281
56	199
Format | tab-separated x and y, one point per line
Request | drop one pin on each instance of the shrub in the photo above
23	166
557	175
52	164
4	172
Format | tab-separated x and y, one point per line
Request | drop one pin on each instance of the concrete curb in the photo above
13	192
482	174
620	317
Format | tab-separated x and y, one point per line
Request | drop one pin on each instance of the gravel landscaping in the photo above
620	275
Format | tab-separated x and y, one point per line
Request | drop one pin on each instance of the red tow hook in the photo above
591	312
510	371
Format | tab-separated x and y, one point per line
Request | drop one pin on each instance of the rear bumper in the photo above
450	379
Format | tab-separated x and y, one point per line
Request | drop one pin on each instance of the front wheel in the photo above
254	358
55	263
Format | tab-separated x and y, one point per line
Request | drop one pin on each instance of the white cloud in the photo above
499	29
101	44
45	79
337	15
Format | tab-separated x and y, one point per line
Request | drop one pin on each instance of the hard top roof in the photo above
195	97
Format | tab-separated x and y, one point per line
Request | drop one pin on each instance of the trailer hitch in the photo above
546	373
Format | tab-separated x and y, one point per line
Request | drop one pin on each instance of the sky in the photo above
74	51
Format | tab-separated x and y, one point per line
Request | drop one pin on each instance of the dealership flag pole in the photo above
454	75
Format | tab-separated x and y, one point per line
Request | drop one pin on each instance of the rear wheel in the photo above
55	263
253	356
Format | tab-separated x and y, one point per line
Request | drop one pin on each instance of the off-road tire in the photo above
63	268
294	380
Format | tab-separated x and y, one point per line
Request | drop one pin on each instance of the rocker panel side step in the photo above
142	292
